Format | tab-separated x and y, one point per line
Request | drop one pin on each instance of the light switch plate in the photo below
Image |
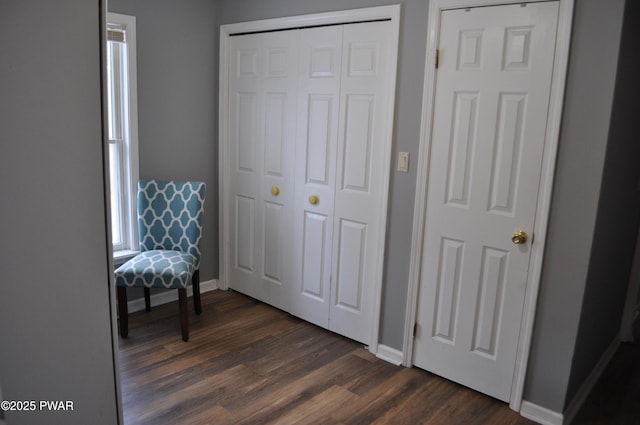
403	162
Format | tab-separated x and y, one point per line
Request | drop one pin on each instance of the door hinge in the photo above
415	329
437	58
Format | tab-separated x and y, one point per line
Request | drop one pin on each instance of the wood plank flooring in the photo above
249	363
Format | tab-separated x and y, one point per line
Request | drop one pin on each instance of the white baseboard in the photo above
389	354
540	414
587	385
549	417
169	296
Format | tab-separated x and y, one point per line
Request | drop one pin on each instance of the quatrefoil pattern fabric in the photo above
170	218
170	215
157	269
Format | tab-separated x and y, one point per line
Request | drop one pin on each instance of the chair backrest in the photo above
170	215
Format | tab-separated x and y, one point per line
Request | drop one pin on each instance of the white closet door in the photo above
262	100
360	177
317	138
309	149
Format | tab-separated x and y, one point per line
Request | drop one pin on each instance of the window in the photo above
123	131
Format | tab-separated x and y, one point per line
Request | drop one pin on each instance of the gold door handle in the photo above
519	237
313	199
275	190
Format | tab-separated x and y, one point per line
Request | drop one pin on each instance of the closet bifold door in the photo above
316	152
262	103
361	167
309	125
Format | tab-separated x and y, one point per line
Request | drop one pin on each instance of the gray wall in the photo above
413	40
177	108
618	213
55	323
570	246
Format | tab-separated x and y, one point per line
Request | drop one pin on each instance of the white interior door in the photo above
491	102
262	98
362	165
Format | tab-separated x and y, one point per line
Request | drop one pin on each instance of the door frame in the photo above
392	13
560	63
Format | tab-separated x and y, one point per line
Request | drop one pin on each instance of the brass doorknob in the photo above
275	190
313	199
519	237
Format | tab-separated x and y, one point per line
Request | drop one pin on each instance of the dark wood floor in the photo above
248	363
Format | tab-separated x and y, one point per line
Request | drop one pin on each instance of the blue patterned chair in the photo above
170	227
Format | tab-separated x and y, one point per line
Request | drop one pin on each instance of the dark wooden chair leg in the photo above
184	314
147	299
123	312
195	281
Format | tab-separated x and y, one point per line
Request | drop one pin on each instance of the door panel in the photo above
318	111
244	232
313	253
492	281
262	128
272	255
358	142
490	113
246	129
319	138
506	158
360	177
447	289
463	140
275	141
352	239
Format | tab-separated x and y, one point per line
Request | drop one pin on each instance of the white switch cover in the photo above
403	162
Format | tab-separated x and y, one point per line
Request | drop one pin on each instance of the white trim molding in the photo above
169	296
389	354
392	13
131	155
540	414
565	16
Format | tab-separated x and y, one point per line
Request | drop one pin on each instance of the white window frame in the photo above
127	145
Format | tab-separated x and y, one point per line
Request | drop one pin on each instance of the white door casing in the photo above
461	192
319	217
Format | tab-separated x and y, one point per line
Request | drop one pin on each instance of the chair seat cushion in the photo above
157	269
